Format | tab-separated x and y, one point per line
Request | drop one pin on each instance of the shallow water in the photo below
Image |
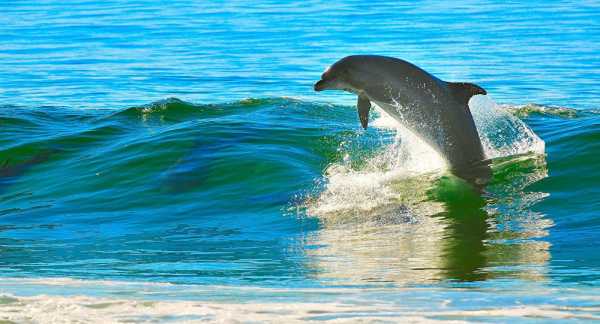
252	197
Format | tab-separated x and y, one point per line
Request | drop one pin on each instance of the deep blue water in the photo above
181	142
116	54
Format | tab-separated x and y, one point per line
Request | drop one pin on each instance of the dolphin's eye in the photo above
327	76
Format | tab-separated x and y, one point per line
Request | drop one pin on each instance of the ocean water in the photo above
169	161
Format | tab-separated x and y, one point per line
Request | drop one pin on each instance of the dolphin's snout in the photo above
320	85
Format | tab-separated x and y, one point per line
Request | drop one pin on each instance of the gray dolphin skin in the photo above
435	110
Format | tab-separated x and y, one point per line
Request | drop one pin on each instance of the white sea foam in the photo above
370	187
342	305
85	309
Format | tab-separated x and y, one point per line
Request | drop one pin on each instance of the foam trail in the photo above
85	309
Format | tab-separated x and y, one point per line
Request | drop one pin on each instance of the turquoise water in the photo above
175	152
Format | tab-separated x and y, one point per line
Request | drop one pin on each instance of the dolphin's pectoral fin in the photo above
363	105
463	91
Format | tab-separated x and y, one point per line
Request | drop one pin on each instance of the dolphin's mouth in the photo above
320	85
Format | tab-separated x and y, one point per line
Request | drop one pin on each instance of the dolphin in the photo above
437	111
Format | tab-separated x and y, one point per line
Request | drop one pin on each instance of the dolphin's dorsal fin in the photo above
363	105
463	91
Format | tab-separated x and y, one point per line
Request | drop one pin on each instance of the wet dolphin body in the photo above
435	110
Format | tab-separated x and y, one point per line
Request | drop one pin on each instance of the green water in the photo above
116	201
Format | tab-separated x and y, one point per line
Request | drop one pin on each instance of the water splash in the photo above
352	191
502	134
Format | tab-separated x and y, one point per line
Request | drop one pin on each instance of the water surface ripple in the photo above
170	161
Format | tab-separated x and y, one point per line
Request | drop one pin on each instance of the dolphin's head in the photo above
340	76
